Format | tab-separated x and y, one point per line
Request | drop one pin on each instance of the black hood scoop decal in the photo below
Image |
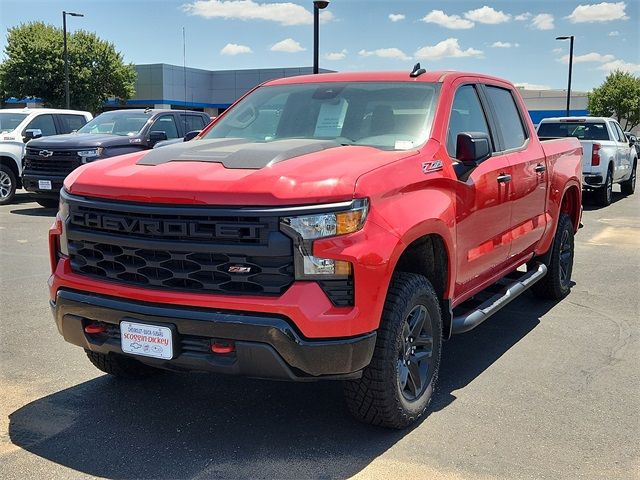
236	152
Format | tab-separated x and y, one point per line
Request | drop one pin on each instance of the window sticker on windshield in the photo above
403	145
331	119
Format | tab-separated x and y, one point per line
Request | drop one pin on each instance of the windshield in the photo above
10	121
581	130
389	115
117	123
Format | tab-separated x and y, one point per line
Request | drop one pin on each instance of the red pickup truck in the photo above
336	226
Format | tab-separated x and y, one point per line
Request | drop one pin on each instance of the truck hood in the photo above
72	141
233	172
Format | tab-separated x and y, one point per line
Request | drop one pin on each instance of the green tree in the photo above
34	66
619	97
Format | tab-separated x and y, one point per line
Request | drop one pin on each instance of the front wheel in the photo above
556	284
397	386
8	185
629	186
47	202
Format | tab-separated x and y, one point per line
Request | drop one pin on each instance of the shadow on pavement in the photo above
193	425
589	201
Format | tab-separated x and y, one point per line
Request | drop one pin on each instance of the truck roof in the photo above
381	76
586	119
42	110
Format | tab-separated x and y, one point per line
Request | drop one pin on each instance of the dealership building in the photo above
160	85
163	86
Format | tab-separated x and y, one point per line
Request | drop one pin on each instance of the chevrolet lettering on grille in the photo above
167	228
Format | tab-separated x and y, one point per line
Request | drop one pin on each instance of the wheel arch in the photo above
10	162
571	204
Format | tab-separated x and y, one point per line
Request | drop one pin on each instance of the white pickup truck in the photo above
608	157
18	126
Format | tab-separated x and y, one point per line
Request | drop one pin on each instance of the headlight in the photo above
311	227
63	213
89	154
307	228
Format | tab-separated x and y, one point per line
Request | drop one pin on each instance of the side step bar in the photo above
472	319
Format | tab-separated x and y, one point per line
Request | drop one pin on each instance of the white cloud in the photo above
504	45
284	13
235	49
523	16
543	21
532	86
454	22
620	65
288	45
615	33
558	50
487	15
396	17
334	56
588	57
600	12
447	48
385	53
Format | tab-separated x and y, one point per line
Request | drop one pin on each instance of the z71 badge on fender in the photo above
428	167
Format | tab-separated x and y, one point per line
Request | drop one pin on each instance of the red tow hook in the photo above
95	328
223	347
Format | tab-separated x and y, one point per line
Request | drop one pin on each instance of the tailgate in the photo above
587	147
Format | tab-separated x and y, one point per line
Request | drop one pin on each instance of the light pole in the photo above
571	37
66	55
317	6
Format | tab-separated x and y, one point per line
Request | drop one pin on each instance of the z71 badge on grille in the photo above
239	269
428	167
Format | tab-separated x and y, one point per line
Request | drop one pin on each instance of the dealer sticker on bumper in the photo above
146	340
44	184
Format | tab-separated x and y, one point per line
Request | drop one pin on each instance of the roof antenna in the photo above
417	71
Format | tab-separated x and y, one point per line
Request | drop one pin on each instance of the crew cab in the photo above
49	160
336	226
17	127
608	158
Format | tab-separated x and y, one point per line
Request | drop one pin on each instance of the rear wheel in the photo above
605	193
47	202
556	284
8	185
629	186
120	366
397	386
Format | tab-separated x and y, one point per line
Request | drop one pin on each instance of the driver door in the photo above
483	210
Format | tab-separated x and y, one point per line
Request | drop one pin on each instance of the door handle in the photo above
504	178
540	168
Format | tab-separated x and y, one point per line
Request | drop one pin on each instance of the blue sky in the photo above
512	39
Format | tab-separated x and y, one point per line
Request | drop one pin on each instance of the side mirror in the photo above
472	148
191	135
157	136
632	142
32	133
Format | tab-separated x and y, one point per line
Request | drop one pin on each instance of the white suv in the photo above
607	158
18	126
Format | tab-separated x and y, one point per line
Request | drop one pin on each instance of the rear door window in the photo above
508	117
192	122
621	135
71	123
44	123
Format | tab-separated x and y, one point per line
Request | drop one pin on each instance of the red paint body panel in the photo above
487	228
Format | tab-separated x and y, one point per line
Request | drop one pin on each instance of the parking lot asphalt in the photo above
543	390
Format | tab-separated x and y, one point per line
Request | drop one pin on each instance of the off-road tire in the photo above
629	186
47	202
377	397
120	366
556	284
604	194
8	185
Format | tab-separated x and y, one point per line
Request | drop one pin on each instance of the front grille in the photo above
62	162
189	249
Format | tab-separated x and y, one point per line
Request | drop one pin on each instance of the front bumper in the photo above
266	346
30	183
